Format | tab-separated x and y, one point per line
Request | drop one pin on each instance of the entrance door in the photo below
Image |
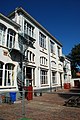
28	76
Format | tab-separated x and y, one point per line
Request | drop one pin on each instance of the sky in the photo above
60	17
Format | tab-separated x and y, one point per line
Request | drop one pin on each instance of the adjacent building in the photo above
30	55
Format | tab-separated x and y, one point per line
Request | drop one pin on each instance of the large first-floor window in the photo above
43	77
9	75
54	80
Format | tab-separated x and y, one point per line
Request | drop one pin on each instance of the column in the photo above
32	77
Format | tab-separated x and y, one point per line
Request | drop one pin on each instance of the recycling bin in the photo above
13	96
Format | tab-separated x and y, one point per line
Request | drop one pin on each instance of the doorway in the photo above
61	79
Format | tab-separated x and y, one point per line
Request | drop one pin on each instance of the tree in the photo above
74	56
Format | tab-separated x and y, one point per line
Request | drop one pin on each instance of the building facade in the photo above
29	54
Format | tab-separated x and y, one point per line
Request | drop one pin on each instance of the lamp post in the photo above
24	64
24	61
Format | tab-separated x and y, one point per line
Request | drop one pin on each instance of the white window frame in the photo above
9	75
30	56
2	34
42	40
54	78
59	51
44	77
43	61
53	64
10	39
28	29
52	47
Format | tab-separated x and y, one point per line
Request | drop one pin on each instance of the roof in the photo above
20	9
9	20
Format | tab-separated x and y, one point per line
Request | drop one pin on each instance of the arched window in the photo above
30	56
9	75
60	66
1	72
43	61
2	34
11	38
53	64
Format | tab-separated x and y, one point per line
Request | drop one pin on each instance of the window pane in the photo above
42	40
2	35
9	75
43	77
10	39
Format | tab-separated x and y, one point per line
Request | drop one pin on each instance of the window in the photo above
43	77
43	61
52	47
28	29
10	38
60	66
42	40
53	64
9	75
58	48
2	34
54	77
30	56
1	73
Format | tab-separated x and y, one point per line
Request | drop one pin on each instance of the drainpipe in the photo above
23	91
49	64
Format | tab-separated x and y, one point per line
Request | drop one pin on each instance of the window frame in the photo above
28	29
42	40
43	77
10	38
54	80
2	34
52	48
9	75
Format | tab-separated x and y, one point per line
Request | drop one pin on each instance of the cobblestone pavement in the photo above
46	107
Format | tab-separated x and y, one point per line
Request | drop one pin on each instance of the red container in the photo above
67	85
